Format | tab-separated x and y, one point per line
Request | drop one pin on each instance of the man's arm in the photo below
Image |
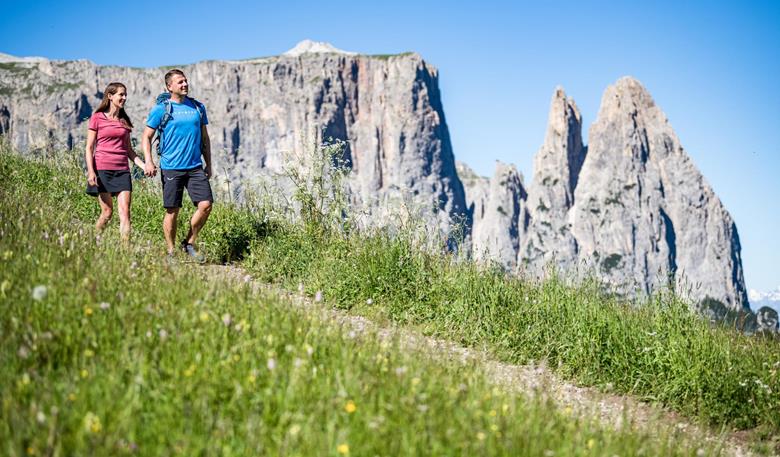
146	144
205	148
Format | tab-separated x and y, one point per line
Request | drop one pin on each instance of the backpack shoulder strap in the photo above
167	114
199	107
165	100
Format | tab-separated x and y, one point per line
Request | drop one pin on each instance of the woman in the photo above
108	148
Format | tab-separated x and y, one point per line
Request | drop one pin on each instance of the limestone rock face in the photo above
643	214
498	227
551	195
267	113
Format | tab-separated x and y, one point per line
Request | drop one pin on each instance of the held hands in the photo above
149	169
91	178
209	174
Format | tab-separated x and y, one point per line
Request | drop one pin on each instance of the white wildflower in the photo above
39	292
369	302
271	364
105	305
226	319
40	417
318	296
162	334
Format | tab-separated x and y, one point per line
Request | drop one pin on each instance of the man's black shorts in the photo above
194	180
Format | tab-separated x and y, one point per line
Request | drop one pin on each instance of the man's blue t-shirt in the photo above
181	139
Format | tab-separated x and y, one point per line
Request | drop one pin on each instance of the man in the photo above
183	139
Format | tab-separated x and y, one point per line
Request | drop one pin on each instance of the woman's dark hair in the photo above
111	89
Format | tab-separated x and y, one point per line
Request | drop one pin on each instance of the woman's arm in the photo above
89	157
134	156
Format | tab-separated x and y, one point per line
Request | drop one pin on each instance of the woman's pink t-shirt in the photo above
113	138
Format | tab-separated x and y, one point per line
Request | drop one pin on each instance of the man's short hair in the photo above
170	74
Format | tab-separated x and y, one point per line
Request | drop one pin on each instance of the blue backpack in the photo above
165	100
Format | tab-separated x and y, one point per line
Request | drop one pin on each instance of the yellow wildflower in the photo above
190	371
89	353
415	381
481	436
92	423
343	449
591	443
87	310
350	407
204	316
84	374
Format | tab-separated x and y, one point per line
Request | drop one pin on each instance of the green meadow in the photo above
108	349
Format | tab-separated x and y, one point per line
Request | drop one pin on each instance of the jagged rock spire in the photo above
498	230
643	214
551	194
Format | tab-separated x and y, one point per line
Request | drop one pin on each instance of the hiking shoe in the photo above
192	253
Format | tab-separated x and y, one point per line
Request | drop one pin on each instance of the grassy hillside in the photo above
107	350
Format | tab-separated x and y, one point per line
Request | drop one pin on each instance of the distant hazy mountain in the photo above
770	299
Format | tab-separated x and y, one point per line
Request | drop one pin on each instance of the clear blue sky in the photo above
713	67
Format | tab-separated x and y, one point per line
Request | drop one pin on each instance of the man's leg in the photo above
169	228
198	221
106	210
123	199
200	192
173	188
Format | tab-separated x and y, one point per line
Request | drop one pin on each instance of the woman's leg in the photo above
106	210
124	199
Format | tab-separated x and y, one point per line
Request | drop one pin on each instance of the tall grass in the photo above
108	350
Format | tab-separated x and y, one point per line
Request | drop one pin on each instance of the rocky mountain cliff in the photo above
266	112
630	204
